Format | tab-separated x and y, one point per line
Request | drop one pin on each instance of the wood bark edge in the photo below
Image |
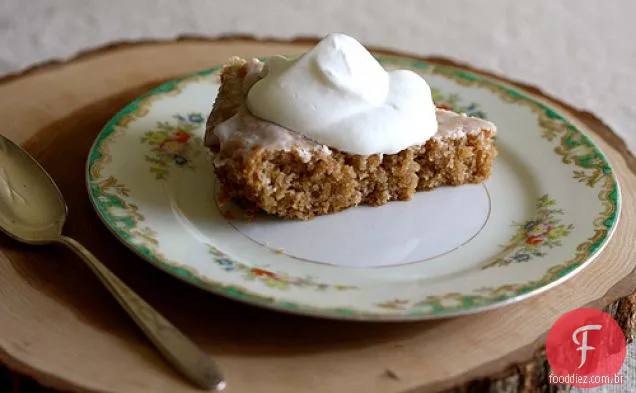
532	376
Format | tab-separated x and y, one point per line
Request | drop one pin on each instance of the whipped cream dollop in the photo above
337	94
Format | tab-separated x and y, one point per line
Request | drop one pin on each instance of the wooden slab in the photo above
59	326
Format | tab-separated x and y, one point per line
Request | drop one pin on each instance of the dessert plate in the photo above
549	208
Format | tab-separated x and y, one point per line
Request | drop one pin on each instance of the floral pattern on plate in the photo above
173	143
271	278
544	230
454	102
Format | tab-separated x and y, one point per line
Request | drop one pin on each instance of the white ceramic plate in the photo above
549	208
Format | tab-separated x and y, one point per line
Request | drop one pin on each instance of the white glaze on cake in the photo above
456	125
244	133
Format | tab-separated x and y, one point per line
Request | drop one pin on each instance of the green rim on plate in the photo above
575	149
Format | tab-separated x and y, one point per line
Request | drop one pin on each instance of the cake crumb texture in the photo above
291	184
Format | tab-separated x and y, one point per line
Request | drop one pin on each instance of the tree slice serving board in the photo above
58	326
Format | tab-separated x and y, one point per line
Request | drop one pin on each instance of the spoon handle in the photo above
174	345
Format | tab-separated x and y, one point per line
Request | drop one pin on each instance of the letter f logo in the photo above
583	344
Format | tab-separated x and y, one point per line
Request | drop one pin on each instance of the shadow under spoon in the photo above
33	211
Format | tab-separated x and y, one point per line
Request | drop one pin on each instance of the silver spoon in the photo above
33	211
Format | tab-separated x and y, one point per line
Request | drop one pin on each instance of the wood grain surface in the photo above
58	326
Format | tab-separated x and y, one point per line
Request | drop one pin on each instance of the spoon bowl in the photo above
33	211
32	208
